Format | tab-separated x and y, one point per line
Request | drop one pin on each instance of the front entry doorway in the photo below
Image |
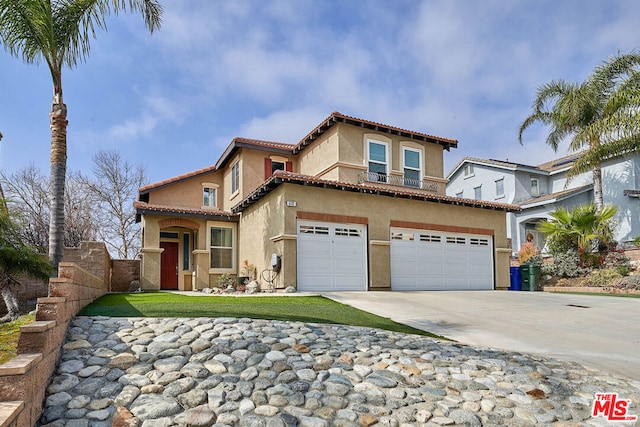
169	266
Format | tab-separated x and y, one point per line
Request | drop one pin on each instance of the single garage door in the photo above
331	257
436	260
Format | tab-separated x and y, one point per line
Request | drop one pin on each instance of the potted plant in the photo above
247	273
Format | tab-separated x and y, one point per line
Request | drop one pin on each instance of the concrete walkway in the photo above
597	331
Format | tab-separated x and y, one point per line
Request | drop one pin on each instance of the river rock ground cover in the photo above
155	372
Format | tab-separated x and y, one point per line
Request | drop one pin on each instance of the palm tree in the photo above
583	225
598	113
59	32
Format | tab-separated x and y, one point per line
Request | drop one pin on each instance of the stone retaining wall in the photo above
24	379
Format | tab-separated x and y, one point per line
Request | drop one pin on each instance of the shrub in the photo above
529	254
604	277
565	265
618	259
225	280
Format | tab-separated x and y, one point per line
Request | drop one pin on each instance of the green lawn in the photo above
311	309
9	334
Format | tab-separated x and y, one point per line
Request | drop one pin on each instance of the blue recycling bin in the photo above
515	283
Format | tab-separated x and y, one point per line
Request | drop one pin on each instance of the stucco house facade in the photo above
354	205
541	189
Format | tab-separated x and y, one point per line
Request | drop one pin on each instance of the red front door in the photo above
169	265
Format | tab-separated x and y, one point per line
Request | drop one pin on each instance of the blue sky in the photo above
274	69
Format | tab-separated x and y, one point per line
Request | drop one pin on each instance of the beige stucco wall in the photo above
276	233
320	155
262	234
186	193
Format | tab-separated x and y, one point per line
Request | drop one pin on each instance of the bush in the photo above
619	261
565	265
529	254
226	280
604	277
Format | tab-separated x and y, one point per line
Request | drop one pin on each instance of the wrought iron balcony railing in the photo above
401	181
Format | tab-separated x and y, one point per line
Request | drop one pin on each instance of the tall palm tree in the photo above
59	32
600	112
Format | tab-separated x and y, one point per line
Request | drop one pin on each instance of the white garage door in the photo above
436	260
331	257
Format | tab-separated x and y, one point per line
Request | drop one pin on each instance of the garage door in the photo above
332	257
435	260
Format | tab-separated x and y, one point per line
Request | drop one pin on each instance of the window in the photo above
535	187
397	235
456	241
186	252
459	195
209	197
477	192
277	166
468	170
500	187
314	229
221	247
235	177
412	167
378	161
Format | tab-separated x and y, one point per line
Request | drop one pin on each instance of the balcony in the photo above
397	180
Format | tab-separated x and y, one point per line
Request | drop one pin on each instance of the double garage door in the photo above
333	257
435	260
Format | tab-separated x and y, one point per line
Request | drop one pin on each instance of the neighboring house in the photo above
355	205
541	189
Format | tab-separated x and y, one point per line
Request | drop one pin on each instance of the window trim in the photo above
234	244
386	155
499	195
420	168
468	171
537	181
475	192
235	178
212	190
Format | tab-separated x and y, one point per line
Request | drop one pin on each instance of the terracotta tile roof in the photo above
560	163
142	207
156	185
261	143
557	195
337	117
280	177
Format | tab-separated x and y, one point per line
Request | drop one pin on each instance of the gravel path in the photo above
241	372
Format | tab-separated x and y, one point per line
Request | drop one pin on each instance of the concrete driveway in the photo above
596	331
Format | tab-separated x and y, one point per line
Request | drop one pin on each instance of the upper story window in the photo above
210	197
500	187
468	170
412	167
460	195
378	161
235	177
477	192
273	164
535	187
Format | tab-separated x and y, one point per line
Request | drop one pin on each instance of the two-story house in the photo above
354	205
540	190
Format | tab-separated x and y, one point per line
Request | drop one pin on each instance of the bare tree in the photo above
27	193
115	188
